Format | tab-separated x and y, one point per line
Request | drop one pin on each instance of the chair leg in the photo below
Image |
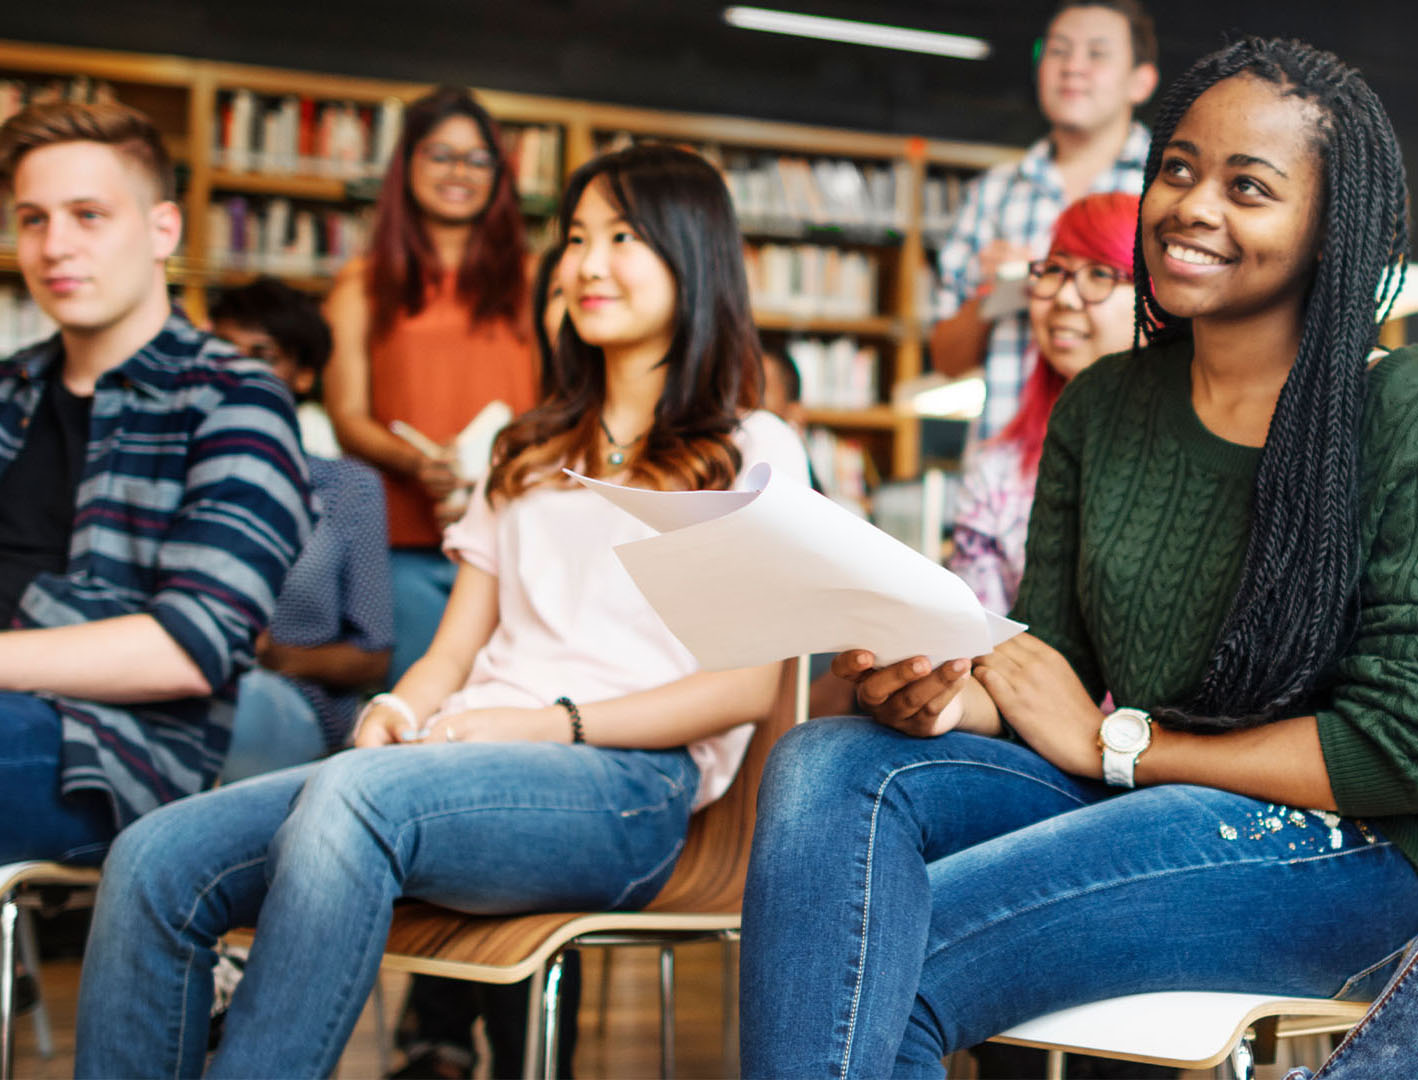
532	1066
381	1028
1243	1061
1054	1066
9	914
667	1012
551	1011
730	1003
29	957
607	955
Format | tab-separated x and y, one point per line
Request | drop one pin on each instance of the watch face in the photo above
1125	732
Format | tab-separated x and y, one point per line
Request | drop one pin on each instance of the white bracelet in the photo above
399	705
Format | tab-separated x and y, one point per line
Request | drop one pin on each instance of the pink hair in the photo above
1101	228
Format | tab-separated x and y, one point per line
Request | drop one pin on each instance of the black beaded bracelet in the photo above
577	734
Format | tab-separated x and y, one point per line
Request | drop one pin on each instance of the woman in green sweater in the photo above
1225	537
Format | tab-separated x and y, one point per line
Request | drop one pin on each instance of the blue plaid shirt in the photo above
193	503
1018	203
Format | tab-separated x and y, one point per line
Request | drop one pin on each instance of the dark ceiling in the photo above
679	53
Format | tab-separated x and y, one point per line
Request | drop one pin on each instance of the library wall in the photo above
279	168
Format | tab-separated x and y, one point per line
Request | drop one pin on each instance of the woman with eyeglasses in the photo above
1080	308
430	327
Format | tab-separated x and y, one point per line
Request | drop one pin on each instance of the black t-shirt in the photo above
37	493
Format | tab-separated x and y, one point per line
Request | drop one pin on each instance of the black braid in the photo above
1296	606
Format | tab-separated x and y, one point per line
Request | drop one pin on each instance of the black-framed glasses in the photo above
445	157
1095	282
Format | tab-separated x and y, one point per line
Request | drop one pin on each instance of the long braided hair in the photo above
1296	606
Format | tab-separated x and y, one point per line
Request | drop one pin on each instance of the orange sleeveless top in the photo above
436	370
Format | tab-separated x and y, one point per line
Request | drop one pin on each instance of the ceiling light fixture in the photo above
857	33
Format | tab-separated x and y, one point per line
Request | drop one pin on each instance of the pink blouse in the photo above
570	620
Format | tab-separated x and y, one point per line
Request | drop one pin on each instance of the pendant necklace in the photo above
616	456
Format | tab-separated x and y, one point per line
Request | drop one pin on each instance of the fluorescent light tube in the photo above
857	33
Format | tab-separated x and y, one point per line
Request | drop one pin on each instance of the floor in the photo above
621	1043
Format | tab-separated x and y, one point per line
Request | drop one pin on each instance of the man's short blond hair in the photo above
128	131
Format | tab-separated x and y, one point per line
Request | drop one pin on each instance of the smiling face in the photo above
1231	225
619	293
451	171
1087	78
1072	334
91	235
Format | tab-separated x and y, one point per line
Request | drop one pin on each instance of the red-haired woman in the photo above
430	327
1080	308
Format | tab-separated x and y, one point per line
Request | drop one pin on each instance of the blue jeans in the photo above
909	897
1384	1044
423	578
274	727
36	821
315	857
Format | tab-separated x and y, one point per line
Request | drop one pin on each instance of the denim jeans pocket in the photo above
1365	985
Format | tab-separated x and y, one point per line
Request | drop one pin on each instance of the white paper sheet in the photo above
774	570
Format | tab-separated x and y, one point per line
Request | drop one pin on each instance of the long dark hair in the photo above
677	203
541	297
402	263
1296	607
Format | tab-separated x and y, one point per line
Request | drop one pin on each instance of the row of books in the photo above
536	150
298	135
836	373
792	194
293	135
940	199
21	321
843	466
772	191
812	279
15	94
277	237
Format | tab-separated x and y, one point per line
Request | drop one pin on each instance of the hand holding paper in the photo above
774	570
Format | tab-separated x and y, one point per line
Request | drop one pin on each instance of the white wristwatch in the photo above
1125	734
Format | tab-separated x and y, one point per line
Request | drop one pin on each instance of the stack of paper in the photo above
775	570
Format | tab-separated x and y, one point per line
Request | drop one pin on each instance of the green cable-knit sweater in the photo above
1137	539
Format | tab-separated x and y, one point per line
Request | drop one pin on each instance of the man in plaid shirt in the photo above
1099	60
153	495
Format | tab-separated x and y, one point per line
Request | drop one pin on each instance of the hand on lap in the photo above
1042	698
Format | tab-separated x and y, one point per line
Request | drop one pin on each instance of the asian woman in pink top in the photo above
548	749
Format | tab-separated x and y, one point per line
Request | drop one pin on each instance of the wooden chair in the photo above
700	901
17	943
1184	1029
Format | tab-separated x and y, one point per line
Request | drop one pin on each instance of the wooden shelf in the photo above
229	278
877	326
874	418
176	71
180	271
289	185
183	95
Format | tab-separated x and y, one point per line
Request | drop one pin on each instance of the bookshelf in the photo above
278	169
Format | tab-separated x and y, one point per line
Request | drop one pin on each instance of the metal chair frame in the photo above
17	943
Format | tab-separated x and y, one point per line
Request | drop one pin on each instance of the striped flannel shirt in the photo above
193	503
1017	202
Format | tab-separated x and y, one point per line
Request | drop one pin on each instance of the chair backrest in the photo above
711	870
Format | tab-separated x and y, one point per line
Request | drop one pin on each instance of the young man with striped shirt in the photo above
153	495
